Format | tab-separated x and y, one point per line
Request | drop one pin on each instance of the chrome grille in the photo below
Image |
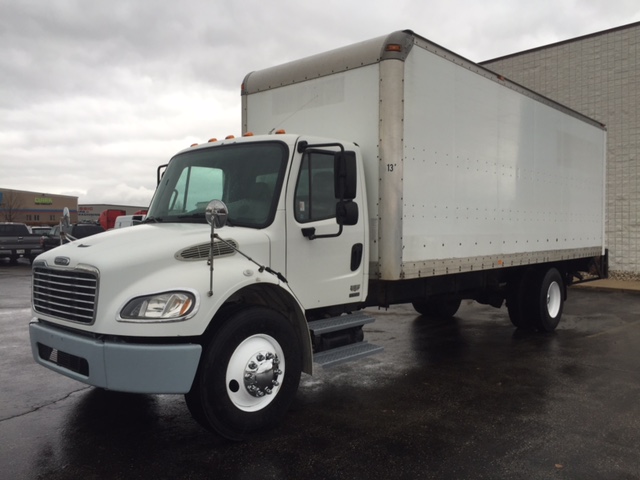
67	294
200	252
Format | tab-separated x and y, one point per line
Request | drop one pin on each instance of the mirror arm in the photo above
210	259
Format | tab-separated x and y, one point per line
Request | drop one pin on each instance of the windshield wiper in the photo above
152	219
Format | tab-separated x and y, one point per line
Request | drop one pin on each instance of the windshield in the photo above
246	176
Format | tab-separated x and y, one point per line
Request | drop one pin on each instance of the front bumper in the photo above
118	366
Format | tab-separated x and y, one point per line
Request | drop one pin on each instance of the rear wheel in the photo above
535	300
519	303
550	300
437	307
248	375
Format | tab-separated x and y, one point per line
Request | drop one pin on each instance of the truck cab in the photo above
284	187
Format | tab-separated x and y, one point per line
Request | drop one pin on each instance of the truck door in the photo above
328	270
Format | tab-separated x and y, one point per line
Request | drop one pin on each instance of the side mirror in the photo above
216	213
345	176
160	172
347	213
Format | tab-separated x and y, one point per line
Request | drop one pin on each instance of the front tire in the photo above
248	375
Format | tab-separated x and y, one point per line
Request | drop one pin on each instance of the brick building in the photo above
599	76
35	208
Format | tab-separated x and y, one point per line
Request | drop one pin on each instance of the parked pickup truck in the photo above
79	230
17	241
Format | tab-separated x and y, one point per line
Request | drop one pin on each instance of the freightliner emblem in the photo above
64	261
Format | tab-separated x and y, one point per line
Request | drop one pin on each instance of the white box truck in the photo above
409	175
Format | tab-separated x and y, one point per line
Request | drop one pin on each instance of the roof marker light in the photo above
280	132
393	47
248	134
194	144
213	139
229	137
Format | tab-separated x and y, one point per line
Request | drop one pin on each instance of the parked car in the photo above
40	230
128	221
17	241
78	230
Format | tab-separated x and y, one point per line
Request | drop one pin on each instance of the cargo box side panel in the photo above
343	106
491	176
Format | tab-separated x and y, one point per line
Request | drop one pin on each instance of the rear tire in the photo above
248	375
550	301
536	299
519	303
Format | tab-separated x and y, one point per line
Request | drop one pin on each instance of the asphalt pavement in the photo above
468	398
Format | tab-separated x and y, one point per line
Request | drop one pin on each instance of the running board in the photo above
342	322
348	353
330	327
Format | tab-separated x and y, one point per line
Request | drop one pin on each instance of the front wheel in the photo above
248	375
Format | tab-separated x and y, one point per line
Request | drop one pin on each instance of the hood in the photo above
153	243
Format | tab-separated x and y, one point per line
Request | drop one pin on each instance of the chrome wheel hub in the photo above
255	372
261	374
554	299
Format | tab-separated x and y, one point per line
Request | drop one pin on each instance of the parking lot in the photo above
469	398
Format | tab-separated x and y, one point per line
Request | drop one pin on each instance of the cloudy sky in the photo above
94	95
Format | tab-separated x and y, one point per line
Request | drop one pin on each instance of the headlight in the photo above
160	307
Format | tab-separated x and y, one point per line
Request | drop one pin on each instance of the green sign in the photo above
44	201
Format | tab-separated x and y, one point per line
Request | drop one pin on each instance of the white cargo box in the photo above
465	170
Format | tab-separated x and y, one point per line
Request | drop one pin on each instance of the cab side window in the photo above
315	195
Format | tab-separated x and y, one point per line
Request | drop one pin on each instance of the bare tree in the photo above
10	205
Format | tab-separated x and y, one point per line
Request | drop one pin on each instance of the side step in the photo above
348	353
333	324
345	353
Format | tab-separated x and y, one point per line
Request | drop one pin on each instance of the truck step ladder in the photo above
345	353
348	353
341	322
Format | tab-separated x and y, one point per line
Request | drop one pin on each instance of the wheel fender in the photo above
277	296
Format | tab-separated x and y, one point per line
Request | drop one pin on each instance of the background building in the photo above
35	208
597	75
90	212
